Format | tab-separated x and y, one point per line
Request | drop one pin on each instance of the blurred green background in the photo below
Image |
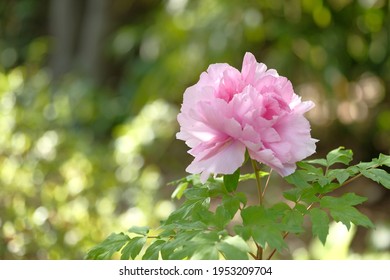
90	90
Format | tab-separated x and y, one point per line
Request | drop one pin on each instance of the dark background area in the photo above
90	90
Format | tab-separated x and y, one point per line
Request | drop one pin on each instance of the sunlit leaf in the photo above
139	230
378	175
152	252
320	223
384	160
133	248
113	243
342	210
179	191
339	155
234	248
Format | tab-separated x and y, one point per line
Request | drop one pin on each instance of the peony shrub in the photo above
230	117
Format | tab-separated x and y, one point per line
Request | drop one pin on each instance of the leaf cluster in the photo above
315	179
215	221
193	231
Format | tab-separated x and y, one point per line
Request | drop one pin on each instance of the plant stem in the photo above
258	183
267	182
259	254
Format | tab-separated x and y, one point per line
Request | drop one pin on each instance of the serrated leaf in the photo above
241	197
320	224
231	204
307	194
342	210
187	208
196	193
190	225
234	248
133	248
378	175
113	243
339	155
173	249
231	180
344	200
263	227
270	235
293	221
348	215
300	179
310	168
179	191
201	246
243	231
341	175
222	217
153	250
139	230
384	160
292	195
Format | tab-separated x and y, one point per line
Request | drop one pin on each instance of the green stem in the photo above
258	183
267	182
259	255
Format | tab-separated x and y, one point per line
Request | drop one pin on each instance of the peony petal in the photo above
226	161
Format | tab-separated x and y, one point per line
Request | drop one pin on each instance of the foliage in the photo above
195	231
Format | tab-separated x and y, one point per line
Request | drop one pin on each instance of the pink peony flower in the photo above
227	112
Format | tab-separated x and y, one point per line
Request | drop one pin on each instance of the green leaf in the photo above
200	246
113	243
270	235
341	175
307	194
378	175
153	250
174	249
133	248
384	160
243	231
300	179
179	191
231	204
231	180
263	227
234	248
198	198
222	217
321	161
293	221
139	230
342	211
205	252
197	193
344	200
339	155
252	176
320	224
349	214
310	168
